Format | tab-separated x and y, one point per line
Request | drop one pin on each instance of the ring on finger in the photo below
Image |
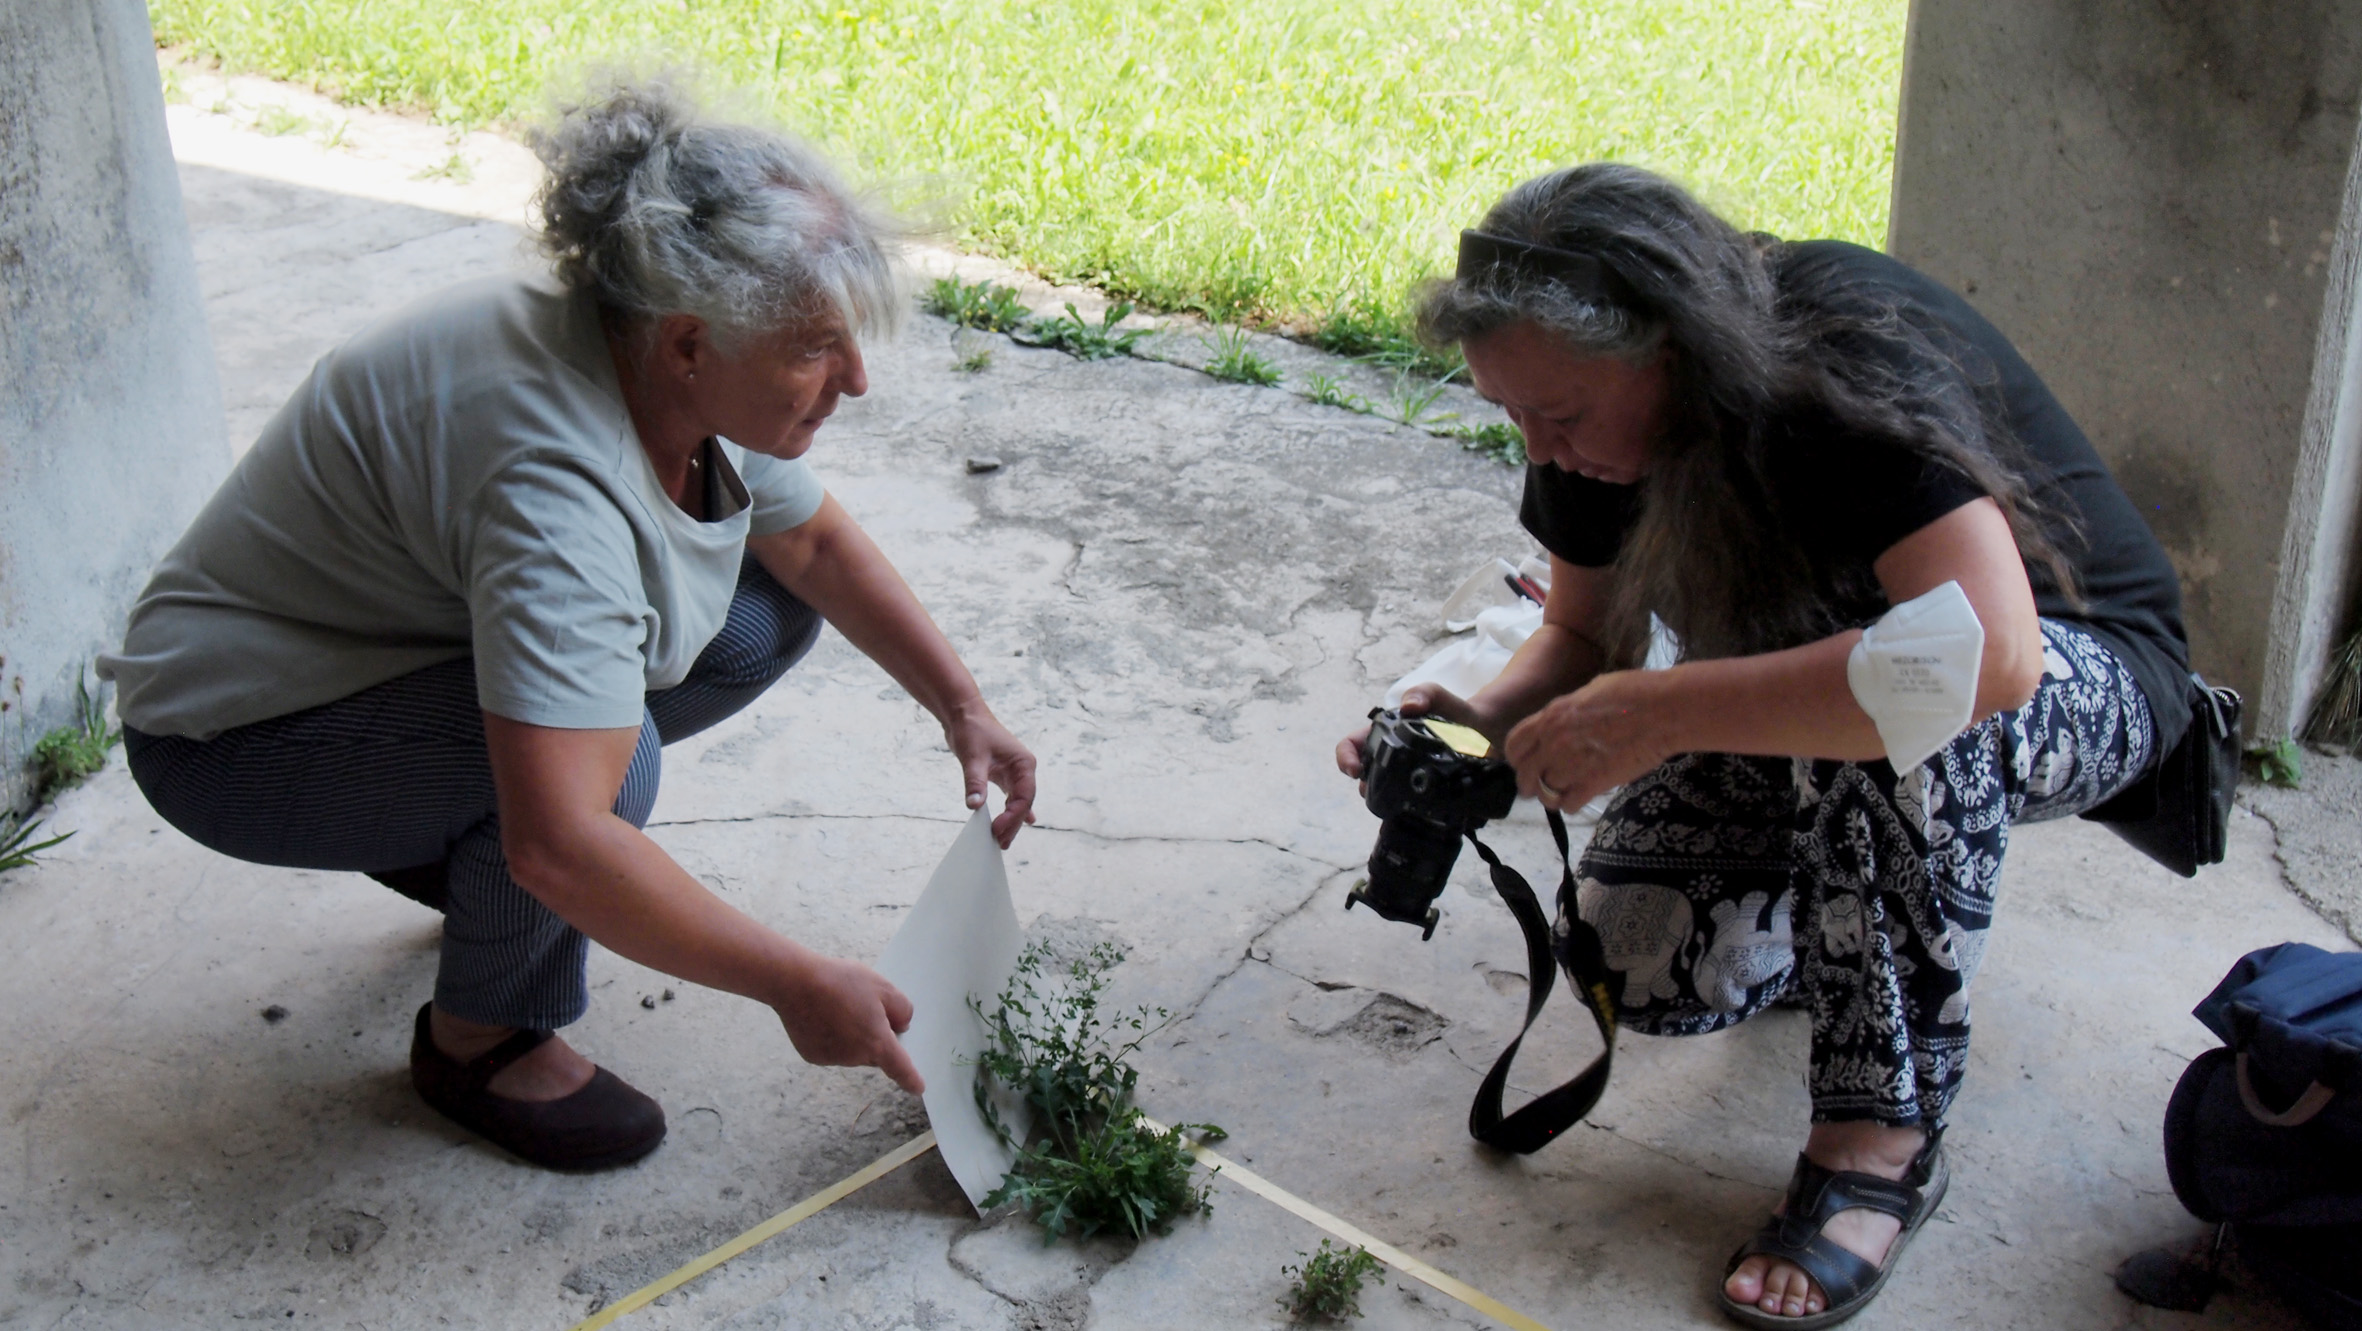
1548	789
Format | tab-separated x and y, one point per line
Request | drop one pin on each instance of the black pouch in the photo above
2180	813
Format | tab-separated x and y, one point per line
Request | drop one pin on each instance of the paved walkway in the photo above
1180	592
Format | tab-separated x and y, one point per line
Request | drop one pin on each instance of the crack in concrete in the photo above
2327	911
1247	953
1455	1055
1111	838
1664	1154
817	817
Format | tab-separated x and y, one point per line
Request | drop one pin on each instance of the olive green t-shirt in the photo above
461	479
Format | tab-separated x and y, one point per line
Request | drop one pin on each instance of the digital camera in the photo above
1430	783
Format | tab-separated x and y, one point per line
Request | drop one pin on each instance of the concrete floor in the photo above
1180	592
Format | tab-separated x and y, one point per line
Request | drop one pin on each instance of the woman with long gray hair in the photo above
503	546
1769	448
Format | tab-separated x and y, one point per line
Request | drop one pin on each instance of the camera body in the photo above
1430	783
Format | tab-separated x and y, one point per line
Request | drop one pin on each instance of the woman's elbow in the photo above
2009	678
541	864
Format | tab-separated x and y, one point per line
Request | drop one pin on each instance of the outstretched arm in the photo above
597	872
836	569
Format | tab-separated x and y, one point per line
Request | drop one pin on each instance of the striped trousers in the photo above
395	782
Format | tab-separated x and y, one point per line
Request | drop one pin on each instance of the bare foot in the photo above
551	1072
1867	1148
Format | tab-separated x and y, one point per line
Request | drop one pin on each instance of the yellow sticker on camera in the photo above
1461	738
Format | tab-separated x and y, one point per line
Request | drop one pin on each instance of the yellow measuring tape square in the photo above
925	1142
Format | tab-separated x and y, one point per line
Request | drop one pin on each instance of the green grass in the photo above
1291	162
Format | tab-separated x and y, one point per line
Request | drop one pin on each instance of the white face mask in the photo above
1915	673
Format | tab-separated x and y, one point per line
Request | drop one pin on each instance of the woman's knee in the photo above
1677	969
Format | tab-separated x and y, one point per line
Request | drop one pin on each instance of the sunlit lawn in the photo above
1284	160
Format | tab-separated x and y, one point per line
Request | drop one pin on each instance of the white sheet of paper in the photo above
961	938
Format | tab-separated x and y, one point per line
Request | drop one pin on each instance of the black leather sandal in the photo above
605	1124
1794	1236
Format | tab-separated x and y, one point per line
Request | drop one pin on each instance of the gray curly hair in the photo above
655	211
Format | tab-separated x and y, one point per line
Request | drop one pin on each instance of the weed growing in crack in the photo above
17	847
1377	336
1497	440
456	168
67	755
1330	391
985	305
278	122
1092	1163
1235	360
1082	339
2278	763
1413	402
1328	1284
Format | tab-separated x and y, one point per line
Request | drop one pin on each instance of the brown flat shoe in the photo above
601	1126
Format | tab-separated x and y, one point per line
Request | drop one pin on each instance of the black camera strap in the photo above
1545	1116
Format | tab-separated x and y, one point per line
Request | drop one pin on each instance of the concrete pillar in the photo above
110	413
2313	605
2147	198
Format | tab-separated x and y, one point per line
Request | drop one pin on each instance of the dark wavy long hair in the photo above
1707	552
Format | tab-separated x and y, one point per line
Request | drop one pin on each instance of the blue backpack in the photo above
2264	1137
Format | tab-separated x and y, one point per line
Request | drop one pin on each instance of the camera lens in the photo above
1409	867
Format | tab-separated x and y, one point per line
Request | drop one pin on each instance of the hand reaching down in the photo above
990	755
843	1014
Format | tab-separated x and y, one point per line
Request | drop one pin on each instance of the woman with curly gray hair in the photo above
502	547
1779	451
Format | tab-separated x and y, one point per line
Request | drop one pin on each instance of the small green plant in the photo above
67	755
1235	360
986	305
456	168
1413	402
278	122
973	360
2336	718
1497	440
17	847
1377	337
1329	391
1328	1284
1092	1162
2279	763
1080	338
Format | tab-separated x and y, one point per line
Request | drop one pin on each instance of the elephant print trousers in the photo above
1720	882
